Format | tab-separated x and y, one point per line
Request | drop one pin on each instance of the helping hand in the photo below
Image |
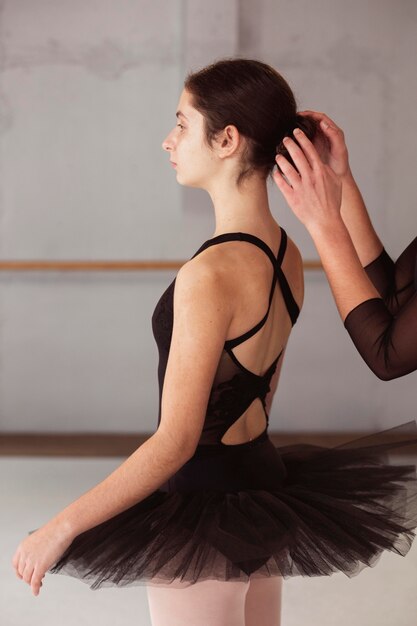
330	144
312	189
38	552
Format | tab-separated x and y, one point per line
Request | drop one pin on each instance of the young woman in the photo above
208	513
376	298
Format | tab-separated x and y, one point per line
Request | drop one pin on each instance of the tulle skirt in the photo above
259	510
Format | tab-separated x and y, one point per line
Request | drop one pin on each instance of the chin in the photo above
189	182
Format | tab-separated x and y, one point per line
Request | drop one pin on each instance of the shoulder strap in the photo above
292	307
282	247
238	236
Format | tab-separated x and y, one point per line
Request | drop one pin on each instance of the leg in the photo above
263	602
205	603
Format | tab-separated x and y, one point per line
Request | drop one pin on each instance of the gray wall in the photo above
88	91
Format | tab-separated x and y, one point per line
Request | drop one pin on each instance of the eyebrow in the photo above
181	114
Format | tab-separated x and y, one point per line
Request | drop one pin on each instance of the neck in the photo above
245	209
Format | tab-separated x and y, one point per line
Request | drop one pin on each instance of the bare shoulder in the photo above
203	285
216	269
206	268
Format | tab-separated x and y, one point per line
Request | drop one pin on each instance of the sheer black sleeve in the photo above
384	330
396	282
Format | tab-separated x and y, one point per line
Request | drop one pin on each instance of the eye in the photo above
181	126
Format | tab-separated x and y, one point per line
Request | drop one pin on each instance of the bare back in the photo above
267	297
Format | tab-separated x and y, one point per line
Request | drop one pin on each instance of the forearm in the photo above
356	218
348	280
386	342
154	462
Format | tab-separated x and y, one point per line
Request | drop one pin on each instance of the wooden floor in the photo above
117	444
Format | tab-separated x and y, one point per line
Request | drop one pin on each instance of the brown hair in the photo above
254	97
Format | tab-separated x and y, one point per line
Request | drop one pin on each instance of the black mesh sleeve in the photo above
384	330
396	282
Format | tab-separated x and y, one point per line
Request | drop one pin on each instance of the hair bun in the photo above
307	124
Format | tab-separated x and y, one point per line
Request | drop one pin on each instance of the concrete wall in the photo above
88	91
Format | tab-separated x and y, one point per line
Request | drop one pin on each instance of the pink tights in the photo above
216	603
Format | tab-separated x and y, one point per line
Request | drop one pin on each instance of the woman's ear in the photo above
227	141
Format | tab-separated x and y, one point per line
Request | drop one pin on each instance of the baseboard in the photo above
124	444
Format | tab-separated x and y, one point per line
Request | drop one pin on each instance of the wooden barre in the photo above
119	444
105	266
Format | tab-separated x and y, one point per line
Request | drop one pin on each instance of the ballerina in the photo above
208	513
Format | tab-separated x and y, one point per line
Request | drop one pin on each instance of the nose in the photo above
167	143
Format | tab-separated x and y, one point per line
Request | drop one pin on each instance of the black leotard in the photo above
234	387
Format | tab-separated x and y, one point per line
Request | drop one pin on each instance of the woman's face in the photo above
195	162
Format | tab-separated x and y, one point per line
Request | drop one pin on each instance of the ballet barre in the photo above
105	266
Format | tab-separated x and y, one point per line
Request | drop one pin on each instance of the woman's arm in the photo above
388	344
143	472
356	218
333	151
153	463
314	194
202	315
394	281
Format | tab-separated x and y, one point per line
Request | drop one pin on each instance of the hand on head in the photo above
330	143
312	189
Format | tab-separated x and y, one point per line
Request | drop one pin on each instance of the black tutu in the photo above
294	510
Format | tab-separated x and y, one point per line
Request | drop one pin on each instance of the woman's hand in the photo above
314	192
38	552
330	144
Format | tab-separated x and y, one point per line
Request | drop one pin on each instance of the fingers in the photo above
290	173
332	132
16	564
311	157
304	156
36	582
329	128
320	117
282	184
27	573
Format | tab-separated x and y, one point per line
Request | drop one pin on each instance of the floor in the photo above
33	489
